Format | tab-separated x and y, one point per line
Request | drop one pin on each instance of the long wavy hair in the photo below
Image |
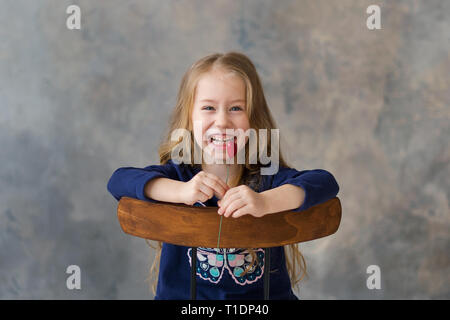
249	174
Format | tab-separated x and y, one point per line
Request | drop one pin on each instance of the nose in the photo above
222	118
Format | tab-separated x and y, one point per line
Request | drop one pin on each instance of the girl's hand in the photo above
201	187
242	200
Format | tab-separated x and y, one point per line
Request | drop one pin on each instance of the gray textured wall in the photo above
372	107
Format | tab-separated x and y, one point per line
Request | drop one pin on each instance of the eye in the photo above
206	108
239	108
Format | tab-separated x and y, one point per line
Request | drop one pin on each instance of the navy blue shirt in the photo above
219	272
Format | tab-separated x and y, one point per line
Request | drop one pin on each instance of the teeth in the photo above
217	139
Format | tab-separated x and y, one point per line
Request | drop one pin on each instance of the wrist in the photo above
179	192
266	204
283	198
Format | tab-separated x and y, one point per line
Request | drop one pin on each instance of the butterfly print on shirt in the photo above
211	263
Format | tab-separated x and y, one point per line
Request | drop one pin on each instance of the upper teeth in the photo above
221	139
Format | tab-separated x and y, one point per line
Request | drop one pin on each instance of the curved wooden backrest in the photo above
193	226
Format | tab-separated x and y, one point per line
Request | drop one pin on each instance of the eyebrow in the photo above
210	100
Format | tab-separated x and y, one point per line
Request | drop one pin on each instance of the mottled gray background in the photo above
372	107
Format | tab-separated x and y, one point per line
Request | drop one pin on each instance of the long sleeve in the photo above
130	182
319	185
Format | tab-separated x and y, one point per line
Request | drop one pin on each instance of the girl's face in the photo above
219	105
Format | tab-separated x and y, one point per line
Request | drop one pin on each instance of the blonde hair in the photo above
259	117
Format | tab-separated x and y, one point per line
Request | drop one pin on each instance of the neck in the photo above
220	170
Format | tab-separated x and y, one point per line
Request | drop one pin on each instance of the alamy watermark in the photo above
374	280
74	20
74	280
257	143
374	20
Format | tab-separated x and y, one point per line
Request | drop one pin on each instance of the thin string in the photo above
221	216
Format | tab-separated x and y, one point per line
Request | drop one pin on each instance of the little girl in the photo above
220	92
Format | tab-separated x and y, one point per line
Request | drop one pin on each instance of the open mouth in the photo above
223	144
221	141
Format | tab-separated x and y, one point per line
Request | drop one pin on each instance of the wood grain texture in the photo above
198	226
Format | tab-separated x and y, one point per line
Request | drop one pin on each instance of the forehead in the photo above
215	85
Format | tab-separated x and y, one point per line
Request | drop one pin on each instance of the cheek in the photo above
244	124
245	121
198	122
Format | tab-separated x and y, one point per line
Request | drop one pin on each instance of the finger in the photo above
240	212
207	191
228	194
237	204
225	210
217	187
223	185
225	202
232	191
218	180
